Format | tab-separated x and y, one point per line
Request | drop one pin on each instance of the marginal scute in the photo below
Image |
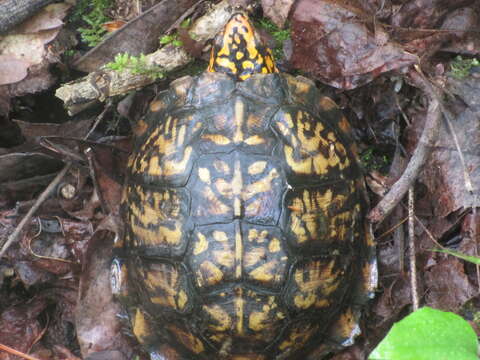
318	283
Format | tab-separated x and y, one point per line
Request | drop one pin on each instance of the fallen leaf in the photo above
332	42
277	10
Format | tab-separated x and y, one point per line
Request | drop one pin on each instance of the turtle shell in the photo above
244	212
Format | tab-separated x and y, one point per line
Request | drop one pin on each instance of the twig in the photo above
26	219
12	351
99	85
44	195
411	240
421	153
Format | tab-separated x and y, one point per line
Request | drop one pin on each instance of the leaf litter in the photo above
358	52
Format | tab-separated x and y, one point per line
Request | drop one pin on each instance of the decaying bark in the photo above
104	83
13	12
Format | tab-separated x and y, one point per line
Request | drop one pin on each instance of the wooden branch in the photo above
101	84
421	153
13	12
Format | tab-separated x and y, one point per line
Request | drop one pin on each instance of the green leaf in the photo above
166	39
472	259
428	334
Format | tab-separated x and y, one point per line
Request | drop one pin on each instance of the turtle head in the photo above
239	51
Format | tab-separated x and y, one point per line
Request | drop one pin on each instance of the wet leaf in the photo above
452	185
331	40
428	334
447	284
277	10
97	321
19	327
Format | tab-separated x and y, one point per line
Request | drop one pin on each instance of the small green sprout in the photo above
460	67
136	65
94	33
280	35
171	39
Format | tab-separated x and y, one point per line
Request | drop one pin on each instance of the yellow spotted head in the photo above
239	51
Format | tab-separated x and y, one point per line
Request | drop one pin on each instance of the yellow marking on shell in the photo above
239	304
224	188
157	105
304	301
213	205
266	272
221	317
245	76
262	185
253	256
270	64
140	327
162	236
248	357
221	166
316	278
204	175
311	165
274	245
346	324
239	114
327	104
167	125
181	300
181	135
298	337
140	128
238	251
211	62
239	55
257	167
253	121
227	64
213	275
257	320
247	64
201	244
254	140
288	119
237	184
224	258
217	139
220	236
189	340
254	207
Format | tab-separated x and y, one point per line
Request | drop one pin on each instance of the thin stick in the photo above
411	240
12	351
46	193
43	196
421	153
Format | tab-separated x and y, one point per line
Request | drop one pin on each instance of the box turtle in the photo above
244	210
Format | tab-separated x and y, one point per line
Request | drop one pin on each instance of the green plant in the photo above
171	39
94	33
460	67
280	35
136	65
371	160
428	334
